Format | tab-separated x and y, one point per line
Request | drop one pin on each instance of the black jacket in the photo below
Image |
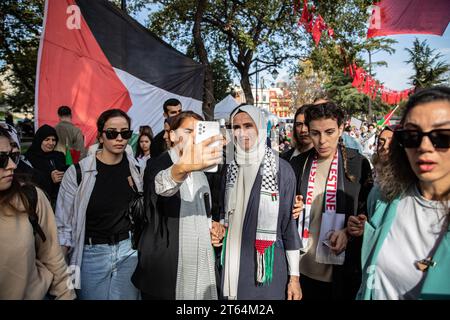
352	201
159	240
158	145
45	162
287	154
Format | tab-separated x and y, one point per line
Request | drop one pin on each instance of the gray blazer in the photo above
72	203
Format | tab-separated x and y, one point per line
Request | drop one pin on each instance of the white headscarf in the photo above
256	153
237	197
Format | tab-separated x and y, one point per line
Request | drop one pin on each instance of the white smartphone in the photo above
205	130
327	243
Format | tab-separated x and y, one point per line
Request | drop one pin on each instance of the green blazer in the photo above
381	216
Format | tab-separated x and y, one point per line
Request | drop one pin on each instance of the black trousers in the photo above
145	296
314	289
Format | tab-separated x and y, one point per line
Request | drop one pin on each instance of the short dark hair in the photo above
327	110
169	103
169	121
64	111
108	114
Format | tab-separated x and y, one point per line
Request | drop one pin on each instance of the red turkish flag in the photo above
316	30
331	32
305	14
409	17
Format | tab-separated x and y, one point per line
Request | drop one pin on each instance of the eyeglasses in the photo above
112	134
440	138
5	156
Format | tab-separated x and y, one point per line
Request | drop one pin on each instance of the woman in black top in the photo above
93	224
49	165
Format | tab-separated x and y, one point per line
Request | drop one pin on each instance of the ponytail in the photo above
344	157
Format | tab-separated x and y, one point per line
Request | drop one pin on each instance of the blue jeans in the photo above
106	272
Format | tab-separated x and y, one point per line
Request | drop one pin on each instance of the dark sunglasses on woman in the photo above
5	156
440	138
113	134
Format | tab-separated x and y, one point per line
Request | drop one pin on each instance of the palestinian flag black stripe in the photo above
150	59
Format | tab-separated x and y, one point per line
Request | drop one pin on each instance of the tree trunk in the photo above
247	87
208	84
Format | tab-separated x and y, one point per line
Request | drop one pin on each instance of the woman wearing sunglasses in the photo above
91	215
48	165
24	171
30	267
406	242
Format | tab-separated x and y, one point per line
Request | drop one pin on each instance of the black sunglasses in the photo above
112	134
5	156
440	138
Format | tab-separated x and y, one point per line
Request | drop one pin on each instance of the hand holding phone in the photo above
205	130
327	243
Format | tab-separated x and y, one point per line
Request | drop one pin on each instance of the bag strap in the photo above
32	196
78	171
131	181
132	184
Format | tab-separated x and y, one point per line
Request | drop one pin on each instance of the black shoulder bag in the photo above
136	214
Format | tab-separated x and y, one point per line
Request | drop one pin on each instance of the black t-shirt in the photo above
106	211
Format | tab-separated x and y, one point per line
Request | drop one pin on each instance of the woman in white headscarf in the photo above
261	246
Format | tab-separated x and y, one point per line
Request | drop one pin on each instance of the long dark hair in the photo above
300	110
139	151
329	110
8	197
378	161
397	175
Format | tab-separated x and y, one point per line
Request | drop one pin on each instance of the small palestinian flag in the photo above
69	159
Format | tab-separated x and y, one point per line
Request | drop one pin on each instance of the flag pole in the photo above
390	114
124	6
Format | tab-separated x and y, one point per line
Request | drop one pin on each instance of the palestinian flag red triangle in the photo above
94	57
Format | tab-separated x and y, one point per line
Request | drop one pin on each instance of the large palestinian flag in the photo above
94	57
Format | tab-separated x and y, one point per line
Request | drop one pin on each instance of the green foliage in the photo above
331	56
429	69
222	78
242	30
340	90
20	23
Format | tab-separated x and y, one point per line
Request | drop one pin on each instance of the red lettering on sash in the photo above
309	197
332	185
330	194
